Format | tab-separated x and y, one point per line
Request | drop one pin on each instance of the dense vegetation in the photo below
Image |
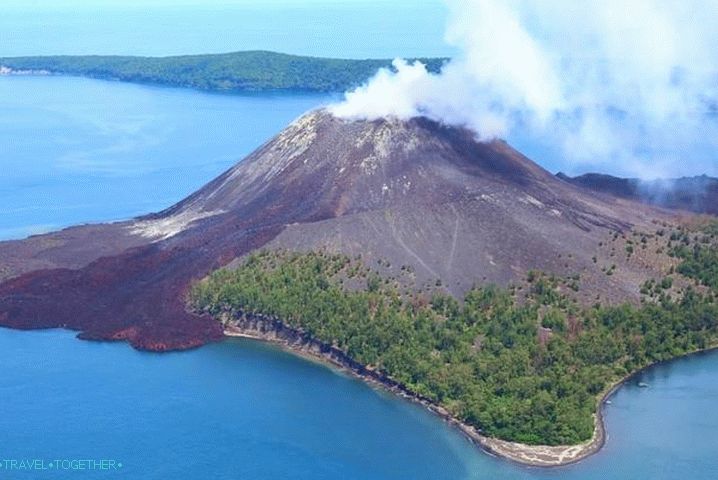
527	368
698	251
238	72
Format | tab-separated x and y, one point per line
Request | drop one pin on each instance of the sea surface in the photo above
77	150
241	409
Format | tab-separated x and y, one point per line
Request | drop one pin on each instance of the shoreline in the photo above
243	92
12	72
297	342
273	331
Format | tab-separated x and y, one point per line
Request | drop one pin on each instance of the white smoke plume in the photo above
629	86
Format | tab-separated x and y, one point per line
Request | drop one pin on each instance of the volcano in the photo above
408	194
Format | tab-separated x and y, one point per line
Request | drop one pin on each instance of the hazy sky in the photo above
175	3
356	28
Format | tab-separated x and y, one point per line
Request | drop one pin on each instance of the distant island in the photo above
250	71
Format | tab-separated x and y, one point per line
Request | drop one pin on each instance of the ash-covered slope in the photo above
411	193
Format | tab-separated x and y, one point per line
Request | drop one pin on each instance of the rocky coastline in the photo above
274	330
7	71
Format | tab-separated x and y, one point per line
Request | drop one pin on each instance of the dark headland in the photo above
695	194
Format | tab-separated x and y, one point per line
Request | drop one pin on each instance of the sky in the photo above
175	3
160	27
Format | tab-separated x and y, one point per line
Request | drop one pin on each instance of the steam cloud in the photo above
628	85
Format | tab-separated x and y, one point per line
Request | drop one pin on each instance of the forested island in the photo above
250	71
526	363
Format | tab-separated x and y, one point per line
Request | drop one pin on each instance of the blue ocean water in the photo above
75	150
244	410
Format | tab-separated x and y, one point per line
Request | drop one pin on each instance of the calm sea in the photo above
244	410
75	150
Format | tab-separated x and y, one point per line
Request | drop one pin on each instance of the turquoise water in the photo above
244	410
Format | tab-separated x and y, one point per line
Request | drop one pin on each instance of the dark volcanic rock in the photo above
695	194
414	193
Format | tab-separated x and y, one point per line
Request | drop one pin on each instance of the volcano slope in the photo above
412	193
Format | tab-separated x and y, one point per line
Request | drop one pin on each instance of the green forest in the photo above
251	71
526	365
